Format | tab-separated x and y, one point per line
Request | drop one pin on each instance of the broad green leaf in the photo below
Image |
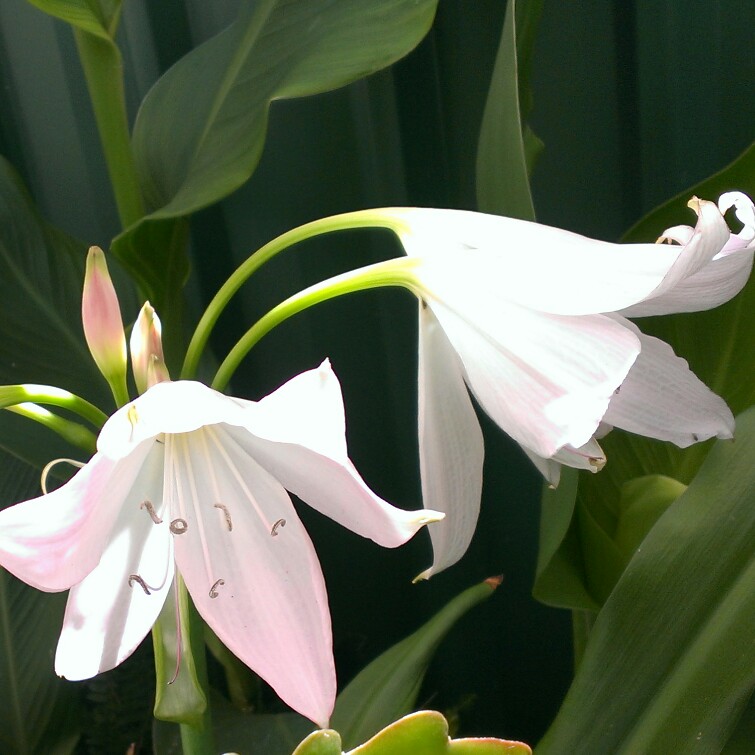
200	131
741	739
38	711
426	733
98	17
643	500
507	147
671	659
41	276
322	742
387	688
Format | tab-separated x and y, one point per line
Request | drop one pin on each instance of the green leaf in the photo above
322	742
387	688
507	148
41	276
39	710
560	575
200	131
643	500
98	17
426	733
671	659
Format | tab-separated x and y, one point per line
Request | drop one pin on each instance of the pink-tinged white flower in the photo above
101	318
146	346
186	479
533	320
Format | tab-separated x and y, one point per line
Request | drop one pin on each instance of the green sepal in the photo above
179	696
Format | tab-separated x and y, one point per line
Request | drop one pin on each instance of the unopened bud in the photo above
147	361
103	326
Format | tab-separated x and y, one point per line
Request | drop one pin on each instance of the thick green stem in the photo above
73	432
349	220
103	69
394	272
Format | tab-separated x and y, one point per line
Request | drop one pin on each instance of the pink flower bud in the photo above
147	361
101	317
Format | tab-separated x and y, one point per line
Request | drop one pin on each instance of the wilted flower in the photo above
186	479
533	320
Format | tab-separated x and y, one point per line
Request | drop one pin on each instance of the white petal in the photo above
110	612
590	457
168	407
54	541
662	398
306	410
720	280
546	380
298	434
545	268
251	569
450	446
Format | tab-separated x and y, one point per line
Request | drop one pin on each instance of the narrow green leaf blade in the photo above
671	658
507	148
387	688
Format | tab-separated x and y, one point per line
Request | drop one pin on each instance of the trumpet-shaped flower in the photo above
533	320
186	479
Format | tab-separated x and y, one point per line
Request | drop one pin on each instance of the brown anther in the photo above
279	523
224	509
213	590
179	526
151	511
136	578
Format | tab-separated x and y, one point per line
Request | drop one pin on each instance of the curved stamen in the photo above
213	590
136	578
279	523
151	511
224	508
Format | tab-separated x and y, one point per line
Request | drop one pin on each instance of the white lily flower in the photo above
188	479
533	320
